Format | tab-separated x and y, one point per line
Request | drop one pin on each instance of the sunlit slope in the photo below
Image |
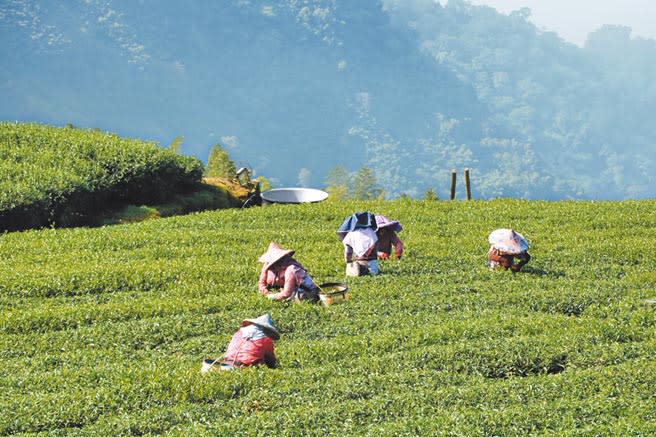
102	331
68	176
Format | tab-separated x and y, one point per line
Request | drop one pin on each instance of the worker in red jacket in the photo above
251	345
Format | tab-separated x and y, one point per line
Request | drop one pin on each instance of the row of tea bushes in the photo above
64	176
102	331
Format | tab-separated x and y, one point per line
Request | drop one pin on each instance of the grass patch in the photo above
205	197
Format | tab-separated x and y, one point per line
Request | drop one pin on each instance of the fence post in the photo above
453	184
467	184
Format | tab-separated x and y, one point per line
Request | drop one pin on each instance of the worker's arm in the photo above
261	283
524	258
270	355
348	253
398	245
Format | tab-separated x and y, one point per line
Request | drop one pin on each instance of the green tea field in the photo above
103	331
52	176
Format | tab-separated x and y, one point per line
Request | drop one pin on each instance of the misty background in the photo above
408	88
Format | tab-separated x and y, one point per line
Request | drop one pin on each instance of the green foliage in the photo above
205	197
544	119
175	144
362	185
430	194
65	176
365	186
131	214
102	331
264	183
219	164
338	182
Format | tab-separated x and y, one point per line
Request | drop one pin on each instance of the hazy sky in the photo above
574	19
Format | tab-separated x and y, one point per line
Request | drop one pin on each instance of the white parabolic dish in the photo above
294	195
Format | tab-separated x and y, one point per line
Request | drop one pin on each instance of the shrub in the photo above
64	176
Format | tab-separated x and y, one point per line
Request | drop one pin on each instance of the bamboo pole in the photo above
453	184
467	184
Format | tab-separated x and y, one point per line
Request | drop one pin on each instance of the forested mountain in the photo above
408	88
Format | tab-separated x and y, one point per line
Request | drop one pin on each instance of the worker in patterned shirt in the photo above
282	272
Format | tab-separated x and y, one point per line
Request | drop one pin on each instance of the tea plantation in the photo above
102	331
68	176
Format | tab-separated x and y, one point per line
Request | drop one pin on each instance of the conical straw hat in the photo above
508	241
265	323
384	222
273	254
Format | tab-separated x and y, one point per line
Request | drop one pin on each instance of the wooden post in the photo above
467	184
453	184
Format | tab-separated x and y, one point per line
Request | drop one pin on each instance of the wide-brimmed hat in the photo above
357	220
265	323
383	222
273	254
508	241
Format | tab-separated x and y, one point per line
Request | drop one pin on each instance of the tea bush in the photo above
63	176
102	331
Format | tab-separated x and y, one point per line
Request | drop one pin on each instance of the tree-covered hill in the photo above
407	88
103	331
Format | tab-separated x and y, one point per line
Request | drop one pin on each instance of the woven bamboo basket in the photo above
333	293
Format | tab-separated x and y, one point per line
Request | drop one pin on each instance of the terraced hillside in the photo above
102	331
53	176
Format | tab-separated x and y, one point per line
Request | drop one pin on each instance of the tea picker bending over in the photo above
387	238
251	345
281	271
358	234
505	246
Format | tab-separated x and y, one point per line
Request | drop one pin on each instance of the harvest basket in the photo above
333	293
210	365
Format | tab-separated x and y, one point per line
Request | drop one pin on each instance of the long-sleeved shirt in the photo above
250	346
386	239
496	258
290	276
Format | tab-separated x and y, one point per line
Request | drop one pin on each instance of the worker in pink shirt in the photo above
281	271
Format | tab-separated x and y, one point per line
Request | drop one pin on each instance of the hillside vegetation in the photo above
407	88
53	176
102	331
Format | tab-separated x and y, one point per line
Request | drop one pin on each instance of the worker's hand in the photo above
383	255
271	296
264	291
